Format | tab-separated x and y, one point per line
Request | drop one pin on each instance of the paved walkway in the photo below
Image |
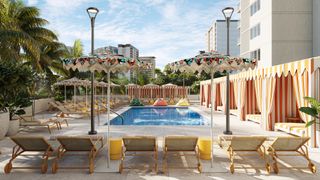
143	171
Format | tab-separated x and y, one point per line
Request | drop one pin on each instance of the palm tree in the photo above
22	32
76	50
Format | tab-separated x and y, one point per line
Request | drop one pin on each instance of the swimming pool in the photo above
159	116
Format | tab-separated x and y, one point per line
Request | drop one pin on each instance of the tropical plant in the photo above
15	83
135	102
22	32
76	50
313	111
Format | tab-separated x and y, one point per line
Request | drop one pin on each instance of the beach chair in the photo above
84	144
174	145
293	146
49	123
139	146
251	145
30	144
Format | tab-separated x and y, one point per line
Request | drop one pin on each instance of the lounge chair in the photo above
135	145
289	144
254	118
249	144
30	144
91	145
66	110
49	123
175	144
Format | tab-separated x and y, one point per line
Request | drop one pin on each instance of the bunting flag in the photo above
112	63
212	62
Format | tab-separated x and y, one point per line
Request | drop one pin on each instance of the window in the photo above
255	7
255	31
255	54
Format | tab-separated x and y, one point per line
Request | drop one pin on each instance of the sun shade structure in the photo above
72	82
105	63
211	62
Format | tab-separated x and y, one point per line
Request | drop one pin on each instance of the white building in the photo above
279	31
152	61
127	50
217	37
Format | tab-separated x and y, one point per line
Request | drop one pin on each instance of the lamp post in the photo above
92	12
227	12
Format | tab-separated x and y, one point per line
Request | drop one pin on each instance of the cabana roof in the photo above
309	65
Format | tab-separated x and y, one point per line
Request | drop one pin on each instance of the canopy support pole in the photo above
211	129
65	93
227	131
108	116
92	131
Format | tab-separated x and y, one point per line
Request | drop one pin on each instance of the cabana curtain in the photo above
243	85
258	89
301	89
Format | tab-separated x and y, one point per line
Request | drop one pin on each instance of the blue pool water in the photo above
159	116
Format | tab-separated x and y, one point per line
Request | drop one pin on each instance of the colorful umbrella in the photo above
212	62
107	63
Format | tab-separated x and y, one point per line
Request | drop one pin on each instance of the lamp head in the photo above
227	12
92	12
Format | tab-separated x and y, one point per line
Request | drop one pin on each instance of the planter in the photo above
4	124
13	127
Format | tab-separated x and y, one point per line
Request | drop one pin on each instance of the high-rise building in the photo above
127	50
152	61
279	31
217	37
106	50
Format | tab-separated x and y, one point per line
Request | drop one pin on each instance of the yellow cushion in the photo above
115	148
205	145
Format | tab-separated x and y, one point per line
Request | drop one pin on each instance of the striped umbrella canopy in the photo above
211	62
107	63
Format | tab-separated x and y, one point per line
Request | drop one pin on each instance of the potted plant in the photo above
15	80
313	111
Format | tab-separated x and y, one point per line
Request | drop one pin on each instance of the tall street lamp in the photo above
227	12
92	12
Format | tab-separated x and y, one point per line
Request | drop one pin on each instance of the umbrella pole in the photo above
108	116
74	96
65	94
211	129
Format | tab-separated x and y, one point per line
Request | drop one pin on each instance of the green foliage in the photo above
15	83
135	102
313	111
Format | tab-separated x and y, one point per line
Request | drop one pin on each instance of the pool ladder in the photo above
118	115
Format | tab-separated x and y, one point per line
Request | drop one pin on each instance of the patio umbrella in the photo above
107	63
212	62
71	82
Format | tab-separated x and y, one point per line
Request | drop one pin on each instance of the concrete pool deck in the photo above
143	171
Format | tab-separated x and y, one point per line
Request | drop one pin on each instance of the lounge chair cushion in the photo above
140	143
78	143
181	143
32	143
289	143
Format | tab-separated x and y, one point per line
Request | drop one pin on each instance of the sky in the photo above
170	30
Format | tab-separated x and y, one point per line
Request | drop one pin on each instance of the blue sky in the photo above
167	29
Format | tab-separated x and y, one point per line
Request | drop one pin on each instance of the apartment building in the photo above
217	37
279	31
128	50
106	50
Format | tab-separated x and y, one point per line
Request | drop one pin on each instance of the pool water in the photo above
159	116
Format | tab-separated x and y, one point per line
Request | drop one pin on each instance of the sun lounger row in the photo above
268	149
66	145
49	123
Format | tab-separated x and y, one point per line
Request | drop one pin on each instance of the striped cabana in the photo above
169	92
276	92
133	91
150	91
